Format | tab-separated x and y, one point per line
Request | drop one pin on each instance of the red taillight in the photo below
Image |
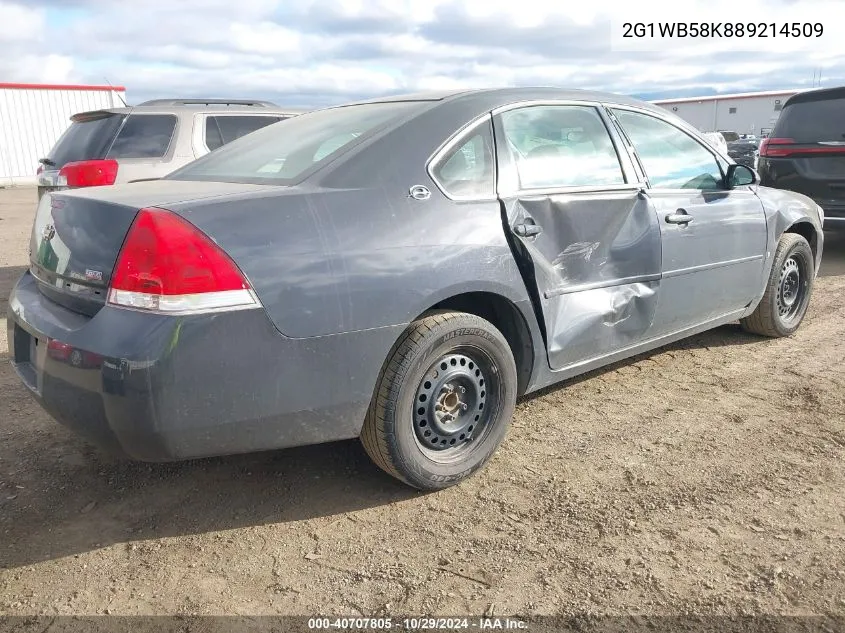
39	170
768	151
88	173
57	349
167	264
782	147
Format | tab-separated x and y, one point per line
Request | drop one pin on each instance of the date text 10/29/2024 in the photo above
418	624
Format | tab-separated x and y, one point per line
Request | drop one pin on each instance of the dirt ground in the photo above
707	477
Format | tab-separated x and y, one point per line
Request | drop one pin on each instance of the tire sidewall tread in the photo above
765	319
388	435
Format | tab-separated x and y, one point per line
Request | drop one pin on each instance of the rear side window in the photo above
223	129
144	136
86	139
812	121
466	171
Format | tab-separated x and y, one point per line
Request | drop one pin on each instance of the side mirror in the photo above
741	176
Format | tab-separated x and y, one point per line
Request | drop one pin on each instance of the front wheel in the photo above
443	401
788	291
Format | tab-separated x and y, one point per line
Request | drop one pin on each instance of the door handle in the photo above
679	217
527	229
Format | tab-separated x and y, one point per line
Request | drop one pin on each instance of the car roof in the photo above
169	108
821	94
490	98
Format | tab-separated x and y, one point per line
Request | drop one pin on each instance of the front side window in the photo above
672	159
466	171
144	136
283	153
561	146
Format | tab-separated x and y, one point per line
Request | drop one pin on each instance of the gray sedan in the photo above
398	270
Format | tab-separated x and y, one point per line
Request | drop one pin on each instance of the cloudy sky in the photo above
311	53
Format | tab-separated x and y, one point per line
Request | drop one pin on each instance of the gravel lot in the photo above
705	477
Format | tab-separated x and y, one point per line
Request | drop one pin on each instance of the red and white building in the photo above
34	116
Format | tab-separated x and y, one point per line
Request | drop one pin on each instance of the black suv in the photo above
805	152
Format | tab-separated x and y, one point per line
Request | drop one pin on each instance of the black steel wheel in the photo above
450	404
792	286
443	402
788	291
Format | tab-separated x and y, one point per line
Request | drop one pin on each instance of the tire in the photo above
788	290
420	427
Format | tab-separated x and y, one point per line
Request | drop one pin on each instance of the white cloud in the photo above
314	52
22	31
19	23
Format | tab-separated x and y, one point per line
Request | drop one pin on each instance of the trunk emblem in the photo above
93	275
48	232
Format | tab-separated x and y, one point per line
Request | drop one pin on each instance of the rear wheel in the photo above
787	295
443	401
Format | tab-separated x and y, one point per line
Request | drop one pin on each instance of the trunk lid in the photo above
77	235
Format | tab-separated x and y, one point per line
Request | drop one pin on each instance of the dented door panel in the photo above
596	267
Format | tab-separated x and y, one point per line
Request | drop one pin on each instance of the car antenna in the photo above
125	105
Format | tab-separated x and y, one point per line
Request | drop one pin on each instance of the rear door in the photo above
713	239
588	243
806	150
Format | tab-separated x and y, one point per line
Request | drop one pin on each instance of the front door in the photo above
714	238
587	240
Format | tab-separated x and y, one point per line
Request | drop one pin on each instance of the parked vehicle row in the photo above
150	140
398	270
744	151
717	140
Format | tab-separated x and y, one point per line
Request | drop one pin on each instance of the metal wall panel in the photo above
32	119
750	115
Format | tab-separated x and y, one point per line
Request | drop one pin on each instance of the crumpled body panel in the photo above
597	264
593	323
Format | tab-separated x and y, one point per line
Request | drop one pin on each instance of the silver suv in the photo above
148	141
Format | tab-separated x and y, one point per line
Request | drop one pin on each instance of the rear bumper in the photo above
162	388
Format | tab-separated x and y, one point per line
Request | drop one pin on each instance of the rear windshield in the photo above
144	136
280	154
730	137
85	140
812	121
222	129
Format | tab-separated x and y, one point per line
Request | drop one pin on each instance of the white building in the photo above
744	113
33	116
